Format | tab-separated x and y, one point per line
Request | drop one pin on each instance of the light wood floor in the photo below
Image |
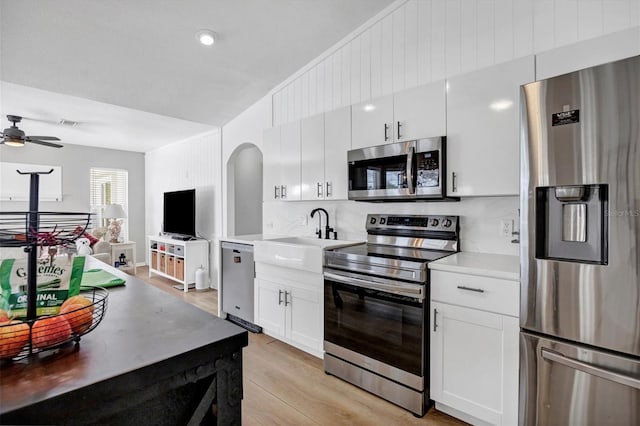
286	386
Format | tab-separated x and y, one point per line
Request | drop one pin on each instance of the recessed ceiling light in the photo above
206	37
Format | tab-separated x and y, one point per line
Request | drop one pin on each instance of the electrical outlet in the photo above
506	227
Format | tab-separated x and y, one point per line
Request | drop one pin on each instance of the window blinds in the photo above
109	186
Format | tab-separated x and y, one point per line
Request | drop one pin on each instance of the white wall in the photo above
245	128
76	161
244	191
428	40
191	163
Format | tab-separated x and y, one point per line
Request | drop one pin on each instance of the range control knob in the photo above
447	223
372	221
382	221
434	222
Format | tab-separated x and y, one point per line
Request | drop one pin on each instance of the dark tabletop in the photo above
142	326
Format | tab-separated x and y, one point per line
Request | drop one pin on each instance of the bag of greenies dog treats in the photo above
58	278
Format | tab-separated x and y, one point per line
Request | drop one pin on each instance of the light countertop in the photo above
243	239
485	264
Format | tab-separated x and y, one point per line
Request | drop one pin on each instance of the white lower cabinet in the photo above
474	354
288	306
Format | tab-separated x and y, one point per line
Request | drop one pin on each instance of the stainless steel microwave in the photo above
405	171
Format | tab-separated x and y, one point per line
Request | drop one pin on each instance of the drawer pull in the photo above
477	290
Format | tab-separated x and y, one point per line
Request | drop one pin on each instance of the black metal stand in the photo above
32	242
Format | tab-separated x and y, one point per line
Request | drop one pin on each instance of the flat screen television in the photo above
179	217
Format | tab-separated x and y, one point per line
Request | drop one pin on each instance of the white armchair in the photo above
102	252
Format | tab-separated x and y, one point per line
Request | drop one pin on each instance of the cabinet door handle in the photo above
319	189
454	182
276	192
398	129
280	298
386	132
286	296
283	191
435	316
329	194
464	287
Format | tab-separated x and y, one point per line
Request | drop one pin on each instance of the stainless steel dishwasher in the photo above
238	272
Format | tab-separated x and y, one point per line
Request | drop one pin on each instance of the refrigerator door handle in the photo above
590	369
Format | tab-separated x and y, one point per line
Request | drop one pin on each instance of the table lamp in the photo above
114	212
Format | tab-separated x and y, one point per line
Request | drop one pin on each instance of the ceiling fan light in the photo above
14	142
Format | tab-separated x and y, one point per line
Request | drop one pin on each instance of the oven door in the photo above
382	172
376	324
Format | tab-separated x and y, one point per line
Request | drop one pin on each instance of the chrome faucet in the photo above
327	230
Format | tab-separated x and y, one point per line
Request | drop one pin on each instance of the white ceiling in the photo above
89	56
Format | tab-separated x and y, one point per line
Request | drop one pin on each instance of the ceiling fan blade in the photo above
43	138
52	145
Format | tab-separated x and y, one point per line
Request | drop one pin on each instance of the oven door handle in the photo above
400	290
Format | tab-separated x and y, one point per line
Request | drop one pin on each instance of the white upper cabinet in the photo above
290	161
312	157
483	129
271	180
371	122
420	112
325	140
337	142
411	114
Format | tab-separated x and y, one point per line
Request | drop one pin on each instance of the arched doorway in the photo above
244	190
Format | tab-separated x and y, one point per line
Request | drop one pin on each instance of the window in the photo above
109	186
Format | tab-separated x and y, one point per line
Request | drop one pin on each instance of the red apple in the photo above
50	331
4	316
78	315
73	300
13	336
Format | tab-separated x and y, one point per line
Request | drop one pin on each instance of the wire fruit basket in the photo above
19	339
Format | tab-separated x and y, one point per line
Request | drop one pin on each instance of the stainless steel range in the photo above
376	295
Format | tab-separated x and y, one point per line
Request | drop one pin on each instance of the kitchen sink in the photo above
304	253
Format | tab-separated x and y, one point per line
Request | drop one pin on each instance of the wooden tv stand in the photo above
177	259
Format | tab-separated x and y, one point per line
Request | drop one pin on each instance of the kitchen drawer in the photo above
488	294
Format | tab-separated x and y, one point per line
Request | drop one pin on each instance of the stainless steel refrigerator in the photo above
580	248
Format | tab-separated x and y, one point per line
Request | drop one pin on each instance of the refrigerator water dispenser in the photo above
571	223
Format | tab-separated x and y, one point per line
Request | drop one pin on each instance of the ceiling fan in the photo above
13	136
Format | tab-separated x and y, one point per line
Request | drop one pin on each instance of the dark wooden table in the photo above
153	359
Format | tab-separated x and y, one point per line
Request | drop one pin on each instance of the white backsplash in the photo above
480	219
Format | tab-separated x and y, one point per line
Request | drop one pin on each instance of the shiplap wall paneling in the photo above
354	69
452	37
411	45
522	18
424	41
438	42
397	49
427	40
376	60
345	77
503	31
365	66
468	37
